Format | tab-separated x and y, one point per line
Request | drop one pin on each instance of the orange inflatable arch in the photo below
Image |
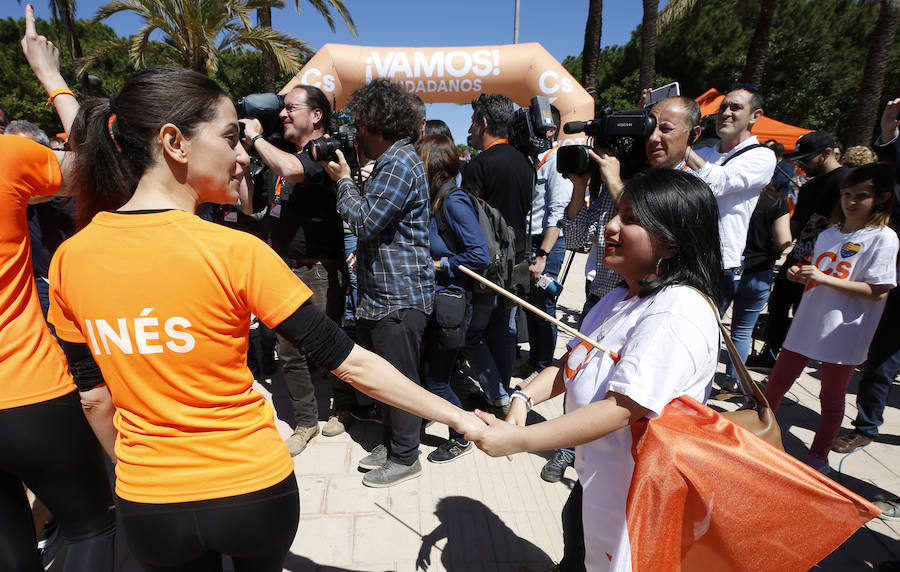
451	75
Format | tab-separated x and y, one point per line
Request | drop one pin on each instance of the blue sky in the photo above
558	26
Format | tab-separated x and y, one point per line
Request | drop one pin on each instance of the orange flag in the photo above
707	494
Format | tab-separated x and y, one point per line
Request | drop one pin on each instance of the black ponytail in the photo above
114	139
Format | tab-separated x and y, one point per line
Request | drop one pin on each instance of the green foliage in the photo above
23	97
817	51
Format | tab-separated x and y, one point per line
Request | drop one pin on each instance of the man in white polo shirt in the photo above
736	170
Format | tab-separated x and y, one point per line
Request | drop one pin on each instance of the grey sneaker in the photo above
301	437
336	424
375	459
392	474
555	468
890	508
449	450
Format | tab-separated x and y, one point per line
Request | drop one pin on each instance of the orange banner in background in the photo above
451	75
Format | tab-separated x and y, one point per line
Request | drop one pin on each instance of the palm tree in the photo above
196	32
648	44
591	51
759	44
869	97
264	15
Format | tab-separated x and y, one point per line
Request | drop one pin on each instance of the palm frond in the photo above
674	11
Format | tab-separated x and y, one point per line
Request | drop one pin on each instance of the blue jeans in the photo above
541	333
749	300
491	345
437	367
730	279
879	370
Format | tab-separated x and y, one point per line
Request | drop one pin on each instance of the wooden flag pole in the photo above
534	309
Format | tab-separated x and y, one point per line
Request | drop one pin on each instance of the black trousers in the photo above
50	447
573	532
397	338
255	529
784	297
328	283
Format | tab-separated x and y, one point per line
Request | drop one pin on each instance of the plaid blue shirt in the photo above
394	267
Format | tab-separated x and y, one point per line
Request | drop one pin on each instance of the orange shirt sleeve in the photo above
60	315
272	290
30	167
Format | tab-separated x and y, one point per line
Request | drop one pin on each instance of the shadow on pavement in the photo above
472	531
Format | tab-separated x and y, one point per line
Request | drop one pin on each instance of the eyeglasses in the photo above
292	107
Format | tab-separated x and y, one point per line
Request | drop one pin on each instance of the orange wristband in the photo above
56	92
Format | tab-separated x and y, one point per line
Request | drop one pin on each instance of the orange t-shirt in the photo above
164	302
32	366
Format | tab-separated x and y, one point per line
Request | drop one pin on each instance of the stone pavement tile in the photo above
407	499
312	494
324	539
323	458
865	550
383	535
346	495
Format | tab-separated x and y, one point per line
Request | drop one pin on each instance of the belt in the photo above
297	262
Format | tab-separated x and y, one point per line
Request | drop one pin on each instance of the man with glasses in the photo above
307	232
736	170
815	201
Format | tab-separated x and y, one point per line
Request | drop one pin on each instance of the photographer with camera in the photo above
395	268
307	233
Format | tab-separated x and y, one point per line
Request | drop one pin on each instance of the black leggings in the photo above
255	529
50	447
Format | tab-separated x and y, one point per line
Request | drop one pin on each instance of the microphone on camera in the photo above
574	127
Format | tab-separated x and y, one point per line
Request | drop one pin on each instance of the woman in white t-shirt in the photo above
853	267
662	327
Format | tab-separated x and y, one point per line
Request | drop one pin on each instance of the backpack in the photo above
499	236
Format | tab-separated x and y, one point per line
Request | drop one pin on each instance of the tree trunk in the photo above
264	15
64	9
866	113
759	45
648	44
591	53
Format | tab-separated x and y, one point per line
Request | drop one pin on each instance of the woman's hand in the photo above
42	55
499	438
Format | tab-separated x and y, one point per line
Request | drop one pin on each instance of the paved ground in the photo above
481	514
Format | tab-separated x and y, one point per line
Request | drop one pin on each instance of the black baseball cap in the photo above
811	144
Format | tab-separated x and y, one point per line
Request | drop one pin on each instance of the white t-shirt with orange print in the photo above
834	327
164	301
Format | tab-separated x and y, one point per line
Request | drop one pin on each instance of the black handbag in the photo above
450	314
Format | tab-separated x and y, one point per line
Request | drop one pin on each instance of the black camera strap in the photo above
742	151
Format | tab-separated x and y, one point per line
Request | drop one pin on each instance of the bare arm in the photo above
584	425
43	58
99	410
889	121
809	273
781	232
374	376
282	162
547	385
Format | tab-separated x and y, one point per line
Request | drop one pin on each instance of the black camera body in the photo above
323	148
528	132
265	107
615	131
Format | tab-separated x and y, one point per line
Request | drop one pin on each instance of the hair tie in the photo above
109	127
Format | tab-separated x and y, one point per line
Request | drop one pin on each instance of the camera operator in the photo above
395	269
306	232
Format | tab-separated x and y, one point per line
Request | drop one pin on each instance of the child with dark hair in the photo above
852	270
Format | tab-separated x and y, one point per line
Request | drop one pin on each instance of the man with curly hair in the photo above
395	270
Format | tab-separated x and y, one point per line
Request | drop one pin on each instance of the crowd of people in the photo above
132	326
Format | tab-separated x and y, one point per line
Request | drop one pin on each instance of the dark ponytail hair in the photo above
113	138
680	209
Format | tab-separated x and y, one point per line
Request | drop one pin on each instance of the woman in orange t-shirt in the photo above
161	301
45	441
